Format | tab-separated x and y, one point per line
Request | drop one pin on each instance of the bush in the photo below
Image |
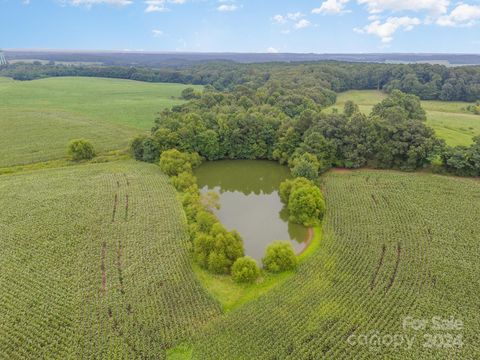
81	149
304	201
215	248
245	270
306	206
279	257
174	162
305	165
183	181
288	186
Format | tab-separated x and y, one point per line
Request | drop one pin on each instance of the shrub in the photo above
136	146
306	205
279	257
304	201
81	149
287	186
215	248
189	94
183	181
305	165
174	162
245	270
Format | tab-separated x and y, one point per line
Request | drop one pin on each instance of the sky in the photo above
295	26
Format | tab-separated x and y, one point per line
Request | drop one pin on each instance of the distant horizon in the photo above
243	26
126	51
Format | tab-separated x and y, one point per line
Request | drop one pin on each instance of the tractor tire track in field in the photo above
103	267
115	203
377	270
394	275
119	264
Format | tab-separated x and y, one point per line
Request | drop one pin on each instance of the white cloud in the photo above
435	7
160	5
157	33
227	7
386	30
302	24
280	19
295	16
331	7
462	15
89	3
272	50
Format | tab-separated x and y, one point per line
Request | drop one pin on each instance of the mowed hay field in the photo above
38	118
94	265
450	119
395	245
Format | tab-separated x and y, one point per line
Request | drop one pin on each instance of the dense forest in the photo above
429	82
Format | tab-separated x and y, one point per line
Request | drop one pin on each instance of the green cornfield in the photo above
94	265
397	248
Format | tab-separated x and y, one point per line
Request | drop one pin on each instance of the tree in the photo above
279	257
287	186
350	108
305	165
245	270
136	146
80	149
189	94
174	162
400	106
183	181
306	205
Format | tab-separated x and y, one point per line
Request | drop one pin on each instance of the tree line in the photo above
429	82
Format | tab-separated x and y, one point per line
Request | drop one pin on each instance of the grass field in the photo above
38	118
392	248
450	120
94	265
95	262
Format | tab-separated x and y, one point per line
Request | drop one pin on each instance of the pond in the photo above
250	203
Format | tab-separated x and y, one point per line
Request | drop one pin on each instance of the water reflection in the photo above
249	202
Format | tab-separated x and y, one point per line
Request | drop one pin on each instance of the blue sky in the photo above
318	26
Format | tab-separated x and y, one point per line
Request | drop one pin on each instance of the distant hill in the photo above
162	59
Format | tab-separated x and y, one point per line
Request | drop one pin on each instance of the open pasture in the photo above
450	119
38	118
94	265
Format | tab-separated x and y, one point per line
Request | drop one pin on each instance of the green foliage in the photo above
463	160
80	149
306	205
306	166
279	257
288	186
189	94
399	106
215	248
245	270
174	162
350	108
304	201
184	181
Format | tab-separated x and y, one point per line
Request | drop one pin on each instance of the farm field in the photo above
449	119
38	118
388	242
95	265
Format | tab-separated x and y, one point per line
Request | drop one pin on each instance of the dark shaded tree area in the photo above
427	81
280	124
